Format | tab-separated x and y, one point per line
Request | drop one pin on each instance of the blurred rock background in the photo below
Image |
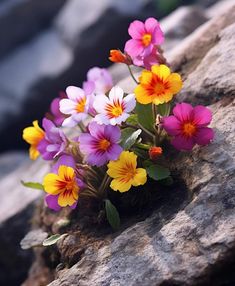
46	46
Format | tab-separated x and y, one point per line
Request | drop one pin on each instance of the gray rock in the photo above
10	161
220	7
33	238
181	23
186	248
190	248
22	19
17	207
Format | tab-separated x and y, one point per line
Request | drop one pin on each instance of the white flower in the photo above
113	109
76	105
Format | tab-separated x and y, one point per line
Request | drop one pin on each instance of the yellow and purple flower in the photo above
188	126
115	108
144	37
62	185
33	135
125	173
54	141
76	106
158	85
101	144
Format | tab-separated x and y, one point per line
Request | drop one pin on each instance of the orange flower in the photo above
155	152
117	56
158	85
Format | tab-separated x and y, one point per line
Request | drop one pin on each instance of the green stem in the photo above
131	73
150	134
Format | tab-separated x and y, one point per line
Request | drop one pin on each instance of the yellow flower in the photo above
33	135
158	85
63	184
124	172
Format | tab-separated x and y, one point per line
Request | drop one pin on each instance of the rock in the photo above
216	50
10	161
33	238
28	77
17	207
181	23
196	245
22	19
219	7
188	248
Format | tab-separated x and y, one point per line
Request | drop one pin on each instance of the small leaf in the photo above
53	239
132	119
145	115
33	185
112	215
129	137
157	172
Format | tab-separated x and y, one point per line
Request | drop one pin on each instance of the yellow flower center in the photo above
189	129
128	173
103	144
81	105
146	39
114	110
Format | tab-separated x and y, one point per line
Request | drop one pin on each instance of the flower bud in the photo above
117	56
155	153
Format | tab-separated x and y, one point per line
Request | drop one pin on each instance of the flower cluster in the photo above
110	128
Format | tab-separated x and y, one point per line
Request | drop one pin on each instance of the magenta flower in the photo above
148	61
98	80
52	200
188	126
144	37
100	145
54	142
55	114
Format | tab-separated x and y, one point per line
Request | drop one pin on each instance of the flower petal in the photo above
74	93
183	111
161	71
183	143
136	29
202	115
130	102
140	177
52	202
204	136
116	94
172	125
133	48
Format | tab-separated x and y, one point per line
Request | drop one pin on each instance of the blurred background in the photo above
48	45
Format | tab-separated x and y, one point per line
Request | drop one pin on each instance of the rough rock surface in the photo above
199	241
181	23
17	208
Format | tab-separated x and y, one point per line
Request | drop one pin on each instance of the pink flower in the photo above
98	80
188	126
144	37
115	108
55	115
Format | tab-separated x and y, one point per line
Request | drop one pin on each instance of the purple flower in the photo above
101	144
54	142
188	126
52	200
57	116
98	81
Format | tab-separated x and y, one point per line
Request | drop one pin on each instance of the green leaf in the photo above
112	215
132	119
145	116
53	239
33	185
157	172
129	137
